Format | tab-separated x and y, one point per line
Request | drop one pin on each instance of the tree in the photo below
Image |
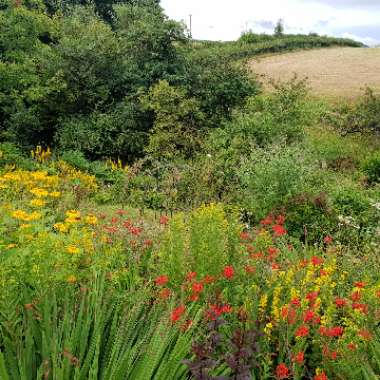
279	28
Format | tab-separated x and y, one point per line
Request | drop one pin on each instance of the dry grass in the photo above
332	73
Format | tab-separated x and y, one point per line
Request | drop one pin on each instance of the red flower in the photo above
244	236
148	243
267	221
356	296
177	313
161	280
333	355
194	297
299	358
272	252
209	279
302	331
216	311
191	275
228	272
164	293
308	316
312	296
321	376
365	334
316	261
249	269
351	346
164	220
331	332
114	220
121	212
258	255
280	219
296	302
282	372
279	230
340	302
360	306
197	287
275	266
328	239
360	284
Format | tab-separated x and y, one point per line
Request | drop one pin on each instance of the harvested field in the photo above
333	72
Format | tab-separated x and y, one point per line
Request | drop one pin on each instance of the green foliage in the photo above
270	178
362	116
90	333
371	168
177	120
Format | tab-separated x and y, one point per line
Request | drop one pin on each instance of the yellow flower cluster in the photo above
25	217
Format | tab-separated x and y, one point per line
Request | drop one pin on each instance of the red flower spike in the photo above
282	372
309	316
197	287
316	261
302	331
296	302
279	230
365	334
321	376
177	313
267	221
228	272
328	240
249	269
164	293
360	284
363	308
161	280
209	279
191	275
356	296
299	358
245	236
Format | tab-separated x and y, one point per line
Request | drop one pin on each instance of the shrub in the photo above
371	168
360	117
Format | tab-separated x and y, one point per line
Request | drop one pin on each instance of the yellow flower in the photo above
71	279
37	202
73	216
39	193
61	227
55	194
91	219
10	246
72	249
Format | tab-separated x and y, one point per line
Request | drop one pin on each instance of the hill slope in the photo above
333	72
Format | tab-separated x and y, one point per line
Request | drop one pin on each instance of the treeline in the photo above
251	44
73	80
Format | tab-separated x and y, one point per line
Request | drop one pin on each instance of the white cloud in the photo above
369	41
225	20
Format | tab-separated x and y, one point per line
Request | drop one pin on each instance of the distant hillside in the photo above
267	44
334	72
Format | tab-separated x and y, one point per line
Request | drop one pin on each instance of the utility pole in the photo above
191	26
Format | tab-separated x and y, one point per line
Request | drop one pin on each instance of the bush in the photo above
360	117
371	168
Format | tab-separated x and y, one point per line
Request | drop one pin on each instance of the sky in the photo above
225	19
